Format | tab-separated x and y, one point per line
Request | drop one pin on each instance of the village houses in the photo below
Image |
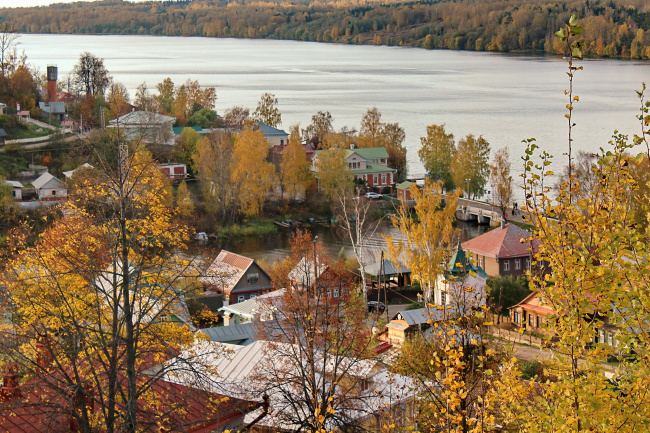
369	165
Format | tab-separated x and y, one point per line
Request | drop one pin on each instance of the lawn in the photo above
27	131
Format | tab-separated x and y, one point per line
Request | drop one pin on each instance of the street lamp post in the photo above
467	181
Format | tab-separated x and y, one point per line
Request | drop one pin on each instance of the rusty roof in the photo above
235	260
502	243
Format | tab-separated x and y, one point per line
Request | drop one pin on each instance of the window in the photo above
336	292
517	264
506	265
611	338
527	263
601	336
531	319
375	179
539	322
252	295
281	142
241	298
53	192
383	179
14	193
253	277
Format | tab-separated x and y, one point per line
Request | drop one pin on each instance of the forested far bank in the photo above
614	28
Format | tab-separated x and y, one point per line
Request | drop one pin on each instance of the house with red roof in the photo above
38	406
532	313
237	277
503	251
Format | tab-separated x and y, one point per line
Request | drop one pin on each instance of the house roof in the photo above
43	179
405	185
390	268
179	129
14	183
459	265
242	334
414	317
226	270
270	131
373	168
142	118
249	307
69	173
502	243
304	273
527	304
52	107
43	409
368	152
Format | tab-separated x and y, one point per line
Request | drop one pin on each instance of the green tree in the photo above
91	75
204	118
166	95
504	292
437	153
267	111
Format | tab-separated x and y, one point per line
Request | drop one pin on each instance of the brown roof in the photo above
226	271
502	243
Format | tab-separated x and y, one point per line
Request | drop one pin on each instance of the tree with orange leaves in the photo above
95	305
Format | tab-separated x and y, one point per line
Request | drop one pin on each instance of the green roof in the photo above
405	185
368	152
459	265
178	129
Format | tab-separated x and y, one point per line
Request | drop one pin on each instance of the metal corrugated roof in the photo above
270	131
390	268
502	243
245	332
368	152
249	307
414	317
142	118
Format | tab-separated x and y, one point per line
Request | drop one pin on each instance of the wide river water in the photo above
505	98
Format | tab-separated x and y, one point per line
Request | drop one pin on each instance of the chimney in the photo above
503	223
52	72
10	386
352	145
43	353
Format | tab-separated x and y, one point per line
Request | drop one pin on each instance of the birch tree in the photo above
425	239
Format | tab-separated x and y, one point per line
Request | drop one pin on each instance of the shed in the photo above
49	187
389	272
17	187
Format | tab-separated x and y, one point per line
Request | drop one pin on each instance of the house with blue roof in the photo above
275	136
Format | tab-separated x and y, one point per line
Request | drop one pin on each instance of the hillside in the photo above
615	28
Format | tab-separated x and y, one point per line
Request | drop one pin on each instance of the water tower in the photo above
52	72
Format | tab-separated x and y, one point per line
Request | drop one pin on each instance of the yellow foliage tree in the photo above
253	175
93	303
294	174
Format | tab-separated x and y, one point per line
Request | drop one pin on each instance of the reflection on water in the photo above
278	245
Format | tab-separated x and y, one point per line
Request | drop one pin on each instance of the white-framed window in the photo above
241	298
611	339
506	265
336	293
383	179
253	277
527	263
375	179
601	336
531	319
517	264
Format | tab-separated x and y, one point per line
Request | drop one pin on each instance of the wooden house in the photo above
237	277
49	187
501	252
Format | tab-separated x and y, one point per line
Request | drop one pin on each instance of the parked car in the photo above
373	195
376	307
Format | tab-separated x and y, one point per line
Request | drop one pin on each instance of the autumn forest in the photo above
614	28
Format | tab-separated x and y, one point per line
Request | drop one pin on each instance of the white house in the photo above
18	188
275	137
147	126
49	187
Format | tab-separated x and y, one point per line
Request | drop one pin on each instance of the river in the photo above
505	98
